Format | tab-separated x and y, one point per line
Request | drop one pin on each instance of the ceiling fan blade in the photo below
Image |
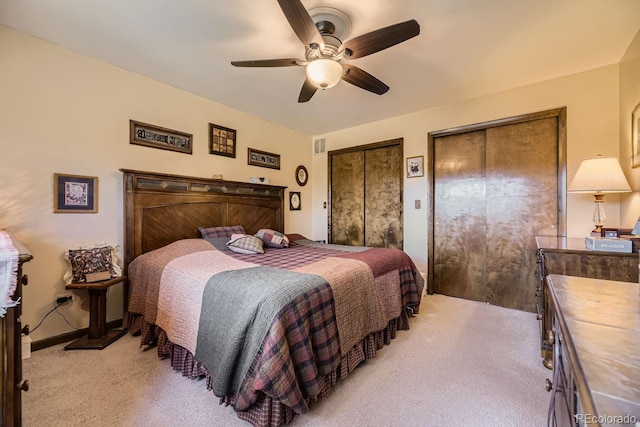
285	62
301	22
307	91
358	77
380	39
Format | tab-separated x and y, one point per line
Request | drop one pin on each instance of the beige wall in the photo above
64	112
592	102
629	99
67	113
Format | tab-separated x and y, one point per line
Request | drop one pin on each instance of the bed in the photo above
271	331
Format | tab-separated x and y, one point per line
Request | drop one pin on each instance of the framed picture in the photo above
635	136
302	175
294	201
222	141
75	193
263	159
158	137
615	232
609	232
415	166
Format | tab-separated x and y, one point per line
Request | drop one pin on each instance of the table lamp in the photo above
600	176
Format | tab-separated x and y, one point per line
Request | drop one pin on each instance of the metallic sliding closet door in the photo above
365	193
494	189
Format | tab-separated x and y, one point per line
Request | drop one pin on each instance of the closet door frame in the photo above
387	143
559	113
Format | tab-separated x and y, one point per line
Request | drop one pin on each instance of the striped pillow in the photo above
245	244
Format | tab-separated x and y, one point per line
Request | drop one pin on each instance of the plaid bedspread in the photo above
361	291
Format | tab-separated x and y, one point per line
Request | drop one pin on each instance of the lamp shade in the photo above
599	175
324	73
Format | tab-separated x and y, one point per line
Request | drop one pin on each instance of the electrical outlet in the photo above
62	298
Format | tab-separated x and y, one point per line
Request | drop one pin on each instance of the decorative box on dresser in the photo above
596	363
11	336
568	256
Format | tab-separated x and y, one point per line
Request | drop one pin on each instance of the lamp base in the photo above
599	217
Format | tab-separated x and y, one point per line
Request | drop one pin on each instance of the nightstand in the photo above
98	337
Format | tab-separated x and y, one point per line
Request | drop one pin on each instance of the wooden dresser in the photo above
596	363
568	256
11	340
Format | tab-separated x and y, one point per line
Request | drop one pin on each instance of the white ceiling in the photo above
466	48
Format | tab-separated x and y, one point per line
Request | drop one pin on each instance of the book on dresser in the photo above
607	244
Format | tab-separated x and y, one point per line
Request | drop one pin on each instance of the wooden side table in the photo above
98	337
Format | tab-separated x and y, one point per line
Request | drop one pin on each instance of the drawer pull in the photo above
24	281
548	385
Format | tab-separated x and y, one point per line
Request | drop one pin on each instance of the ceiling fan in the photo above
325	51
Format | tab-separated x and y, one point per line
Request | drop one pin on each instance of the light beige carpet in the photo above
462	363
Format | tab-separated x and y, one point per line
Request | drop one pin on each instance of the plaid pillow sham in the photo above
223	231
245	244
272	238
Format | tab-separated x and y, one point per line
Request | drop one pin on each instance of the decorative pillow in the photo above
84	261
272	238
213	232
245	244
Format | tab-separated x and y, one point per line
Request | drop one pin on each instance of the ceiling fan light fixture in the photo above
324	73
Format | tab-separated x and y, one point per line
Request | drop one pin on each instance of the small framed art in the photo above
159	137
415	166
263	159
294	201
75	193
302	176
222	141
635	136
615	232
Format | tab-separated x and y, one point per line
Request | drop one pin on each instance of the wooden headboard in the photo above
161	208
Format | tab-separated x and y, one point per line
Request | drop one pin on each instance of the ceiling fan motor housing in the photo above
329	51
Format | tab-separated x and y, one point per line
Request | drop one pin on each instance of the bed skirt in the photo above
266	411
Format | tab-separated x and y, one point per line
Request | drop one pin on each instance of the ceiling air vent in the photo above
319	146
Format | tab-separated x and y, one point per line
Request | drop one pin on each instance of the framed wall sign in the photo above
159	137
75	193
222	141
263	159
635	136
415	166
294	201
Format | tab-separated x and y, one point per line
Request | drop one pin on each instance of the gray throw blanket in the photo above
238	308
